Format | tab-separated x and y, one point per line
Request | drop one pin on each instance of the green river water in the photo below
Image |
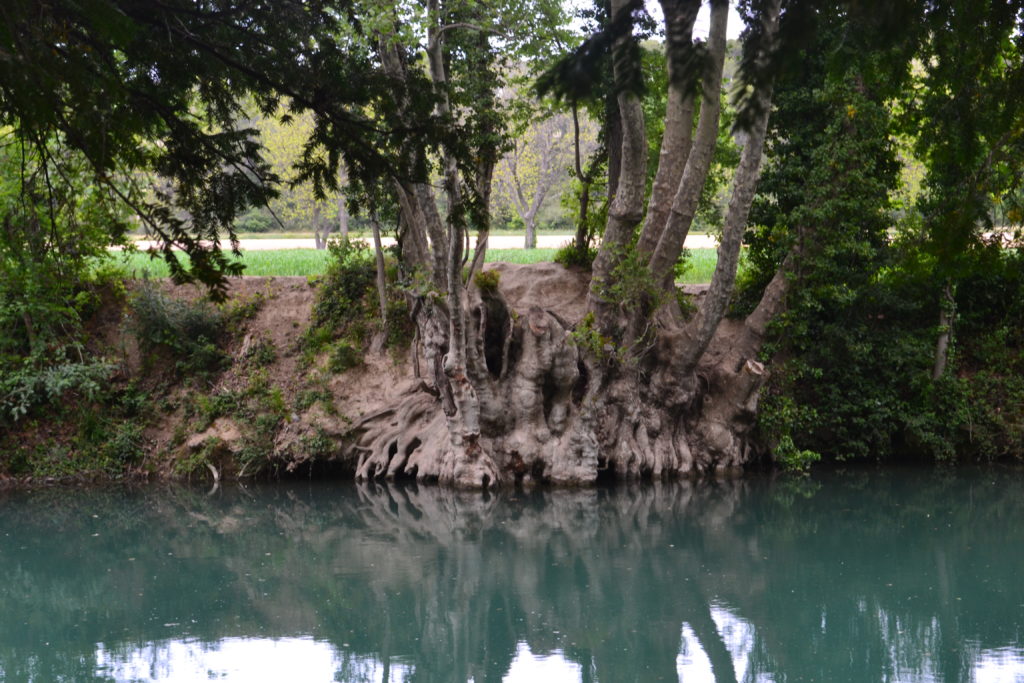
863	575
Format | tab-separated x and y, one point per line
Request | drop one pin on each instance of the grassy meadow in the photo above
312	262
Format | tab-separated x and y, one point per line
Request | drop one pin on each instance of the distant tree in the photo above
296	202
535	168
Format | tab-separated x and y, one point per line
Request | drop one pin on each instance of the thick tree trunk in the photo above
677	140
522	393
627	205
684	205
703	326
416	251
530	239
465	462
425	244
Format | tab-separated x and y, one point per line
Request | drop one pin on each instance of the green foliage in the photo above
346	289
854	382
631	285
318	391
54	226
190	331
344	356
967	111
256	220
29	384
241	309
259	410
487	281
261	353
587	337
854	352
792	458
346	311
124	446
317	445
149	93
569	256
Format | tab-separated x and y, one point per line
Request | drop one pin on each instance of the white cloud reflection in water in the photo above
692	664
259	660
252	660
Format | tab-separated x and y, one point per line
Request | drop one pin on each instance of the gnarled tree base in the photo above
551	409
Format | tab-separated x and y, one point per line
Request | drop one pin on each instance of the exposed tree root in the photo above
549	411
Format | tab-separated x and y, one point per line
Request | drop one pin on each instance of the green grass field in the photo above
310	262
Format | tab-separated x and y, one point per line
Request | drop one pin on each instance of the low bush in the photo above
571	256
346	313
191	331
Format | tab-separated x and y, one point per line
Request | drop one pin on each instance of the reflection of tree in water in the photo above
859	578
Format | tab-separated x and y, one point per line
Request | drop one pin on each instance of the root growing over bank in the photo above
553	406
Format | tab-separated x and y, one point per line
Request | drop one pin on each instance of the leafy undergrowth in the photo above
168	384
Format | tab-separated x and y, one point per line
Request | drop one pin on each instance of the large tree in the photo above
635	388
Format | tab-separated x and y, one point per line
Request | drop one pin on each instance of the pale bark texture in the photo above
627	206
947	314
680	16
670	239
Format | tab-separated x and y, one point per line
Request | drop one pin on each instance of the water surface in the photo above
910	575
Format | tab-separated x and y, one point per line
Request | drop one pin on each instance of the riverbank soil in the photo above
241	389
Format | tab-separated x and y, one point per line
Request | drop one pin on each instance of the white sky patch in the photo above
732	31
693	665
700	29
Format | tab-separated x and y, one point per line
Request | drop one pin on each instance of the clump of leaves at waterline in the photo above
346	314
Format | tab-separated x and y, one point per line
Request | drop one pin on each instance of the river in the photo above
861	575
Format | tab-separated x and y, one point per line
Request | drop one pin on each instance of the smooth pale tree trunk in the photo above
698	163
680	16
626	209
947	315
705	323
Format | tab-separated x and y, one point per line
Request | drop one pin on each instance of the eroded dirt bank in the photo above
266	397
